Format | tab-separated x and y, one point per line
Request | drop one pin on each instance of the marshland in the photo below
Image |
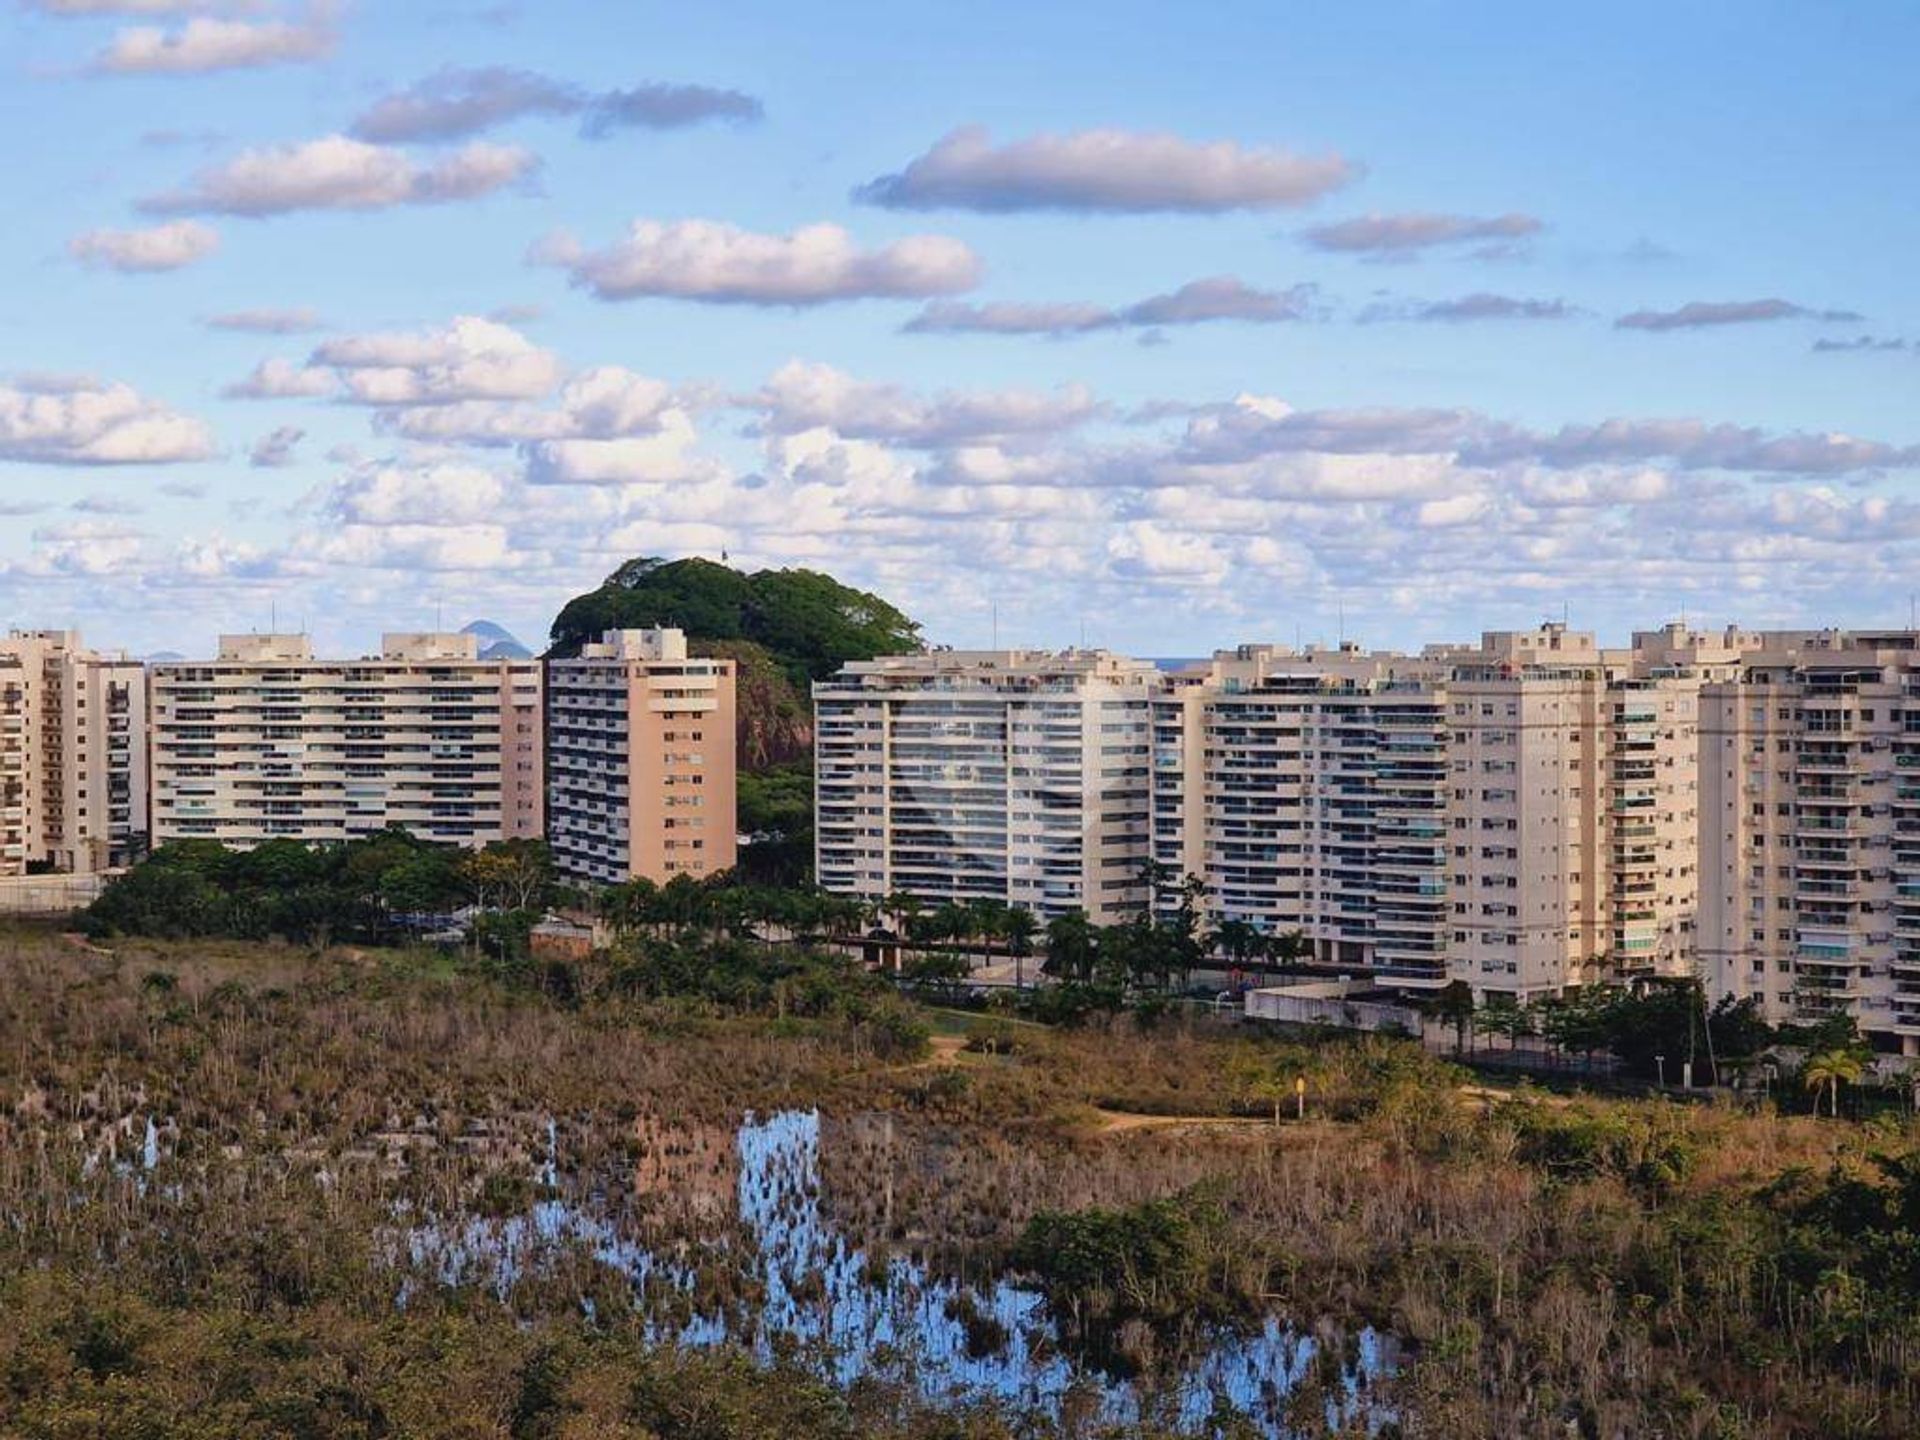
262	1189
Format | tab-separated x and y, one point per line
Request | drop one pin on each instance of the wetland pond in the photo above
796	1284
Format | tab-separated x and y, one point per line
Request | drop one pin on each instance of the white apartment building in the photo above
73	755
640	762
1811	830
1010	775
269	742
1520	814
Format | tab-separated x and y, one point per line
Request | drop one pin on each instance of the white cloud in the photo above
206	43
338	173
470	359
279	379
803	396
713	261
171	246
446	494
275	449
658	458
75	421
419	547
1105	170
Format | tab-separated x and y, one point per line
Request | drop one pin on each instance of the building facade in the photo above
268	742
1013	776
640	761
1521	814
73	755
1811	831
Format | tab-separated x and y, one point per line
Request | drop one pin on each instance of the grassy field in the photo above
1630	1268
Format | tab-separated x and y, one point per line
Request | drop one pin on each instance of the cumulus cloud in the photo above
340	173
1254	427
281	379
1406	235
209	43
68	420
607	402
1703	314
803	396
661	457
469	359
1105	170
713	261
433	494
296	321
171	246
1468	308
1219	297
274	450
453	103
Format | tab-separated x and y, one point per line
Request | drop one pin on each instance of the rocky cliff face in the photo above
775	715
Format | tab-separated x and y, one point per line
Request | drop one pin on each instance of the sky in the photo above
1158	327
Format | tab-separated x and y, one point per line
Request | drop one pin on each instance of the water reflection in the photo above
854	1315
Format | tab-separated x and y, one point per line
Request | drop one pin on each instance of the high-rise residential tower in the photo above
1016	776
269	742
640	760
73	755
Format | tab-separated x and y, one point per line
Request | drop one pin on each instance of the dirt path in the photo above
1114	1122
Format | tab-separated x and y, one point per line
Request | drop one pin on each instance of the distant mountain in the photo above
164	657
496	641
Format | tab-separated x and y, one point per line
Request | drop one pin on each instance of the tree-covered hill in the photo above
782	628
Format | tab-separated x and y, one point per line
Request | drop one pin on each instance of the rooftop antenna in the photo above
1342	603
273	617
996	625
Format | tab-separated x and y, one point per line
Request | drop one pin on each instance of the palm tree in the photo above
1020	927
1828	1070
1070	947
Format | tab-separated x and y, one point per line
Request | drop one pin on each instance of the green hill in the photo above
783	629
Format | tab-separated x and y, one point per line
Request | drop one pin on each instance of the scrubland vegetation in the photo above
217	1159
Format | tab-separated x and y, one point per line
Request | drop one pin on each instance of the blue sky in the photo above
1232	319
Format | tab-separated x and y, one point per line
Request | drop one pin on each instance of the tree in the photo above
1502	1015
509	874
1020	927
1262	1077
1828	1070
1454	1004
1070	947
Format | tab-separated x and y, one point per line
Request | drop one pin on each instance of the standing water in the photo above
852	1315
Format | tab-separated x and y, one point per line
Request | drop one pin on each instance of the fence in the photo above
48	894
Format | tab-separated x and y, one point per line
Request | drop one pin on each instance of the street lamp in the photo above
1661	1061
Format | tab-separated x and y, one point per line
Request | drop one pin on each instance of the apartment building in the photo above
73	755
1521	814
1011	775
1811	830
269	742
640	760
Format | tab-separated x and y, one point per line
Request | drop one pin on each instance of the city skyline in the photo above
1171	332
